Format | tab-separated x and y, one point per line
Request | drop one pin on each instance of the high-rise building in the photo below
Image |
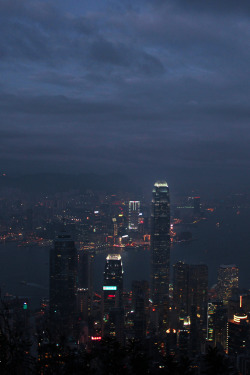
190	297
180	289
112	308
238	335
140	305
133	215
191	290
160	254
63	279
228	281
217	319
198	290
85	281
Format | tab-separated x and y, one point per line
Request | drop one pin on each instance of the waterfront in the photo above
24	271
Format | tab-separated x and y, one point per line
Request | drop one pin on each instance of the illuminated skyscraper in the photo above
133	219
112	309
228	281
217	319
160	253
63	279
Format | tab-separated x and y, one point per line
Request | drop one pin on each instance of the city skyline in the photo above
124	187
108	284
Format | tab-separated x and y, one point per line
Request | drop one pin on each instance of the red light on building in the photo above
111	296
96	338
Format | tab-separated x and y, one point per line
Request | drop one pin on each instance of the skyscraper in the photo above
112	309
228	281
190	297
63	279
133	218
198	291
160	254
85	279
191	290
217	321
140	302
180	292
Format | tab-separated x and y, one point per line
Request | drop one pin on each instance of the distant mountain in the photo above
52	183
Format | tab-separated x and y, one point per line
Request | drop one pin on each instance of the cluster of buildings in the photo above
181	318
175	314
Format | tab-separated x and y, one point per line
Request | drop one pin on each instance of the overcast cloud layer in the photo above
152	88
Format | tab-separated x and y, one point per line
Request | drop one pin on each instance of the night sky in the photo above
145	88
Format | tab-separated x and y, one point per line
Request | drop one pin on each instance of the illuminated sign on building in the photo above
110	288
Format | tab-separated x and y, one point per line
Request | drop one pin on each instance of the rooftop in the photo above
114	257
161	183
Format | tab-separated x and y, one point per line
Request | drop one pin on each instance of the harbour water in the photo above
24	271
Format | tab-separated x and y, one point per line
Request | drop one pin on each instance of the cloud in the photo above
130	85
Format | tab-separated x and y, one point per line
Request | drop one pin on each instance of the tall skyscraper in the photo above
217	324
63	279
180	291
133	218
160	254
191	290
190	302
112	308
85	280
198	290
140	303
228	281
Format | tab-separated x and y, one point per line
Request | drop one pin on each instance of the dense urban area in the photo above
172	322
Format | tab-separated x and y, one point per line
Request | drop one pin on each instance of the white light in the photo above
161	184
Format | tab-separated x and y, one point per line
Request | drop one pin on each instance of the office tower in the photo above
198	290
140	306
85	269
190	289
133	215
82	304
160	254
217	318
180	289
85	282
115	228
63	280
238	335
228	281
190	295
112	308
183	338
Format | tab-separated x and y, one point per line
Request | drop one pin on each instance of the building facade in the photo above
63	279
228	281
160	255
133	215
112	301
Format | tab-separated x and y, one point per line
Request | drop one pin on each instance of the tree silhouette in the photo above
216	363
